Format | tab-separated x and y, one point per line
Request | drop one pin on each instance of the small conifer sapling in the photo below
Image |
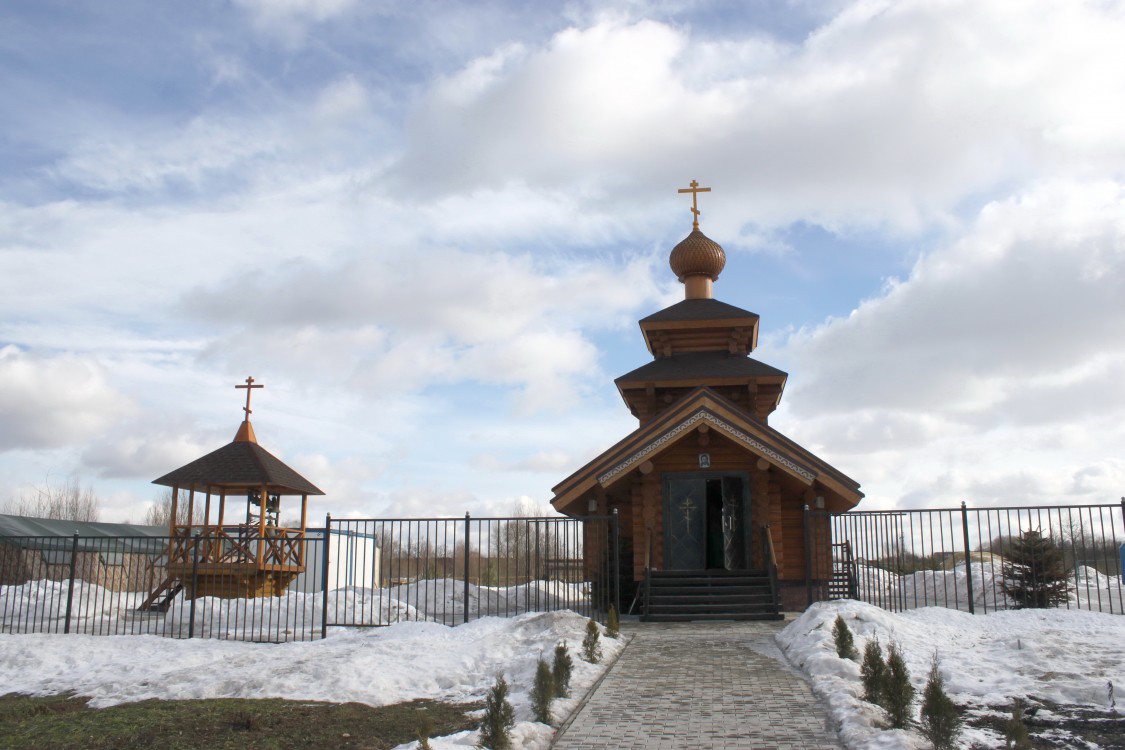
542	692
898	693
1035	574
499	718
613	624
591	644
560	674
845	643
941	722
872	672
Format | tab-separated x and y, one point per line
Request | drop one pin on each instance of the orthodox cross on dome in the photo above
249	389
695	190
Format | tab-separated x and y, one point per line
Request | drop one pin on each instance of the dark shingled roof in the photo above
700	366
698	309
239	464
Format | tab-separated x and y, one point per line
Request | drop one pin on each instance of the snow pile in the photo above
1056	655
380	666
40	606
443	600
1089	589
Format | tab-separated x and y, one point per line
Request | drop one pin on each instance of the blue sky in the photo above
430	228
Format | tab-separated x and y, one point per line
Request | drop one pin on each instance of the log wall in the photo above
640	503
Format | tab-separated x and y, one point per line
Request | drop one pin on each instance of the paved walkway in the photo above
699	686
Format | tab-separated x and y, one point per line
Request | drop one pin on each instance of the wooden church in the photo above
236	547
711	499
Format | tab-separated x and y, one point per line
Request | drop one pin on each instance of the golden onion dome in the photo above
697	255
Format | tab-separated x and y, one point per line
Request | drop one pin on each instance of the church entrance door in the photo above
706	521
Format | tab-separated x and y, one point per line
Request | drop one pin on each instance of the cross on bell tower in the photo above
249	387
245	432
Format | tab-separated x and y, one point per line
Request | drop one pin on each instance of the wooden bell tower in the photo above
232	555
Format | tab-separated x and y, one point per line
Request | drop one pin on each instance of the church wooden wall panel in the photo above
640	505
777	522
637	523
625	516
792	564
725	455
761	511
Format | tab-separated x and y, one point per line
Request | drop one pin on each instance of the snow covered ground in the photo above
41	606
376	666
1056	655
1060	656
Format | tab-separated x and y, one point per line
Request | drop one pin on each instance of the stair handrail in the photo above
771	560
648	574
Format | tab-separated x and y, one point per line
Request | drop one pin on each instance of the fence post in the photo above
70	586
466	588
968	556
808	558
324	576
194	584
616	571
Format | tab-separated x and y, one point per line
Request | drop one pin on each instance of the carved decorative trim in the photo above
742	437
687	424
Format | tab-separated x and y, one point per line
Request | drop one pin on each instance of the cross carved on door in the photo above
686	507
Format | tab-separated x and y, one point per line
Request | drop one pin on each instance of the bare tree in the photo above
511	538
160	512
69	501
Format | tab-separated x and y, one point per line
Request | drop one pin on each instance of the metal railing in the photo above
125	586
771	559
646	589
955	557
352	573
450	570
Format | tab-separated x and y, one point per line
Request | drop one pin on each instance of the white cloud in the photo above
139	453
400	322
342	99
316	10
891	113
426	502
203	153
553	462
289	20
992	373
1025	307
511	244
51	401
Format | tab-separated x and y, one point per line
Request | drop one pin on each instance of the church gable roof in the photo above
704	406
240	464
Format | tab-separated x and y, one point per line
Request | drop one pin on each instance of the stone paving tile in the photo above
697	686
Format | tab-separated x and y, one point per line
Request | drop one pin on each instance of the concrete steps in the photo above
695	595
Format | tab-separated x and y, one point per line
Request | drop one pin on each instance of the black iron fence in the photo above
450	570
352	573
956	557
124	586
